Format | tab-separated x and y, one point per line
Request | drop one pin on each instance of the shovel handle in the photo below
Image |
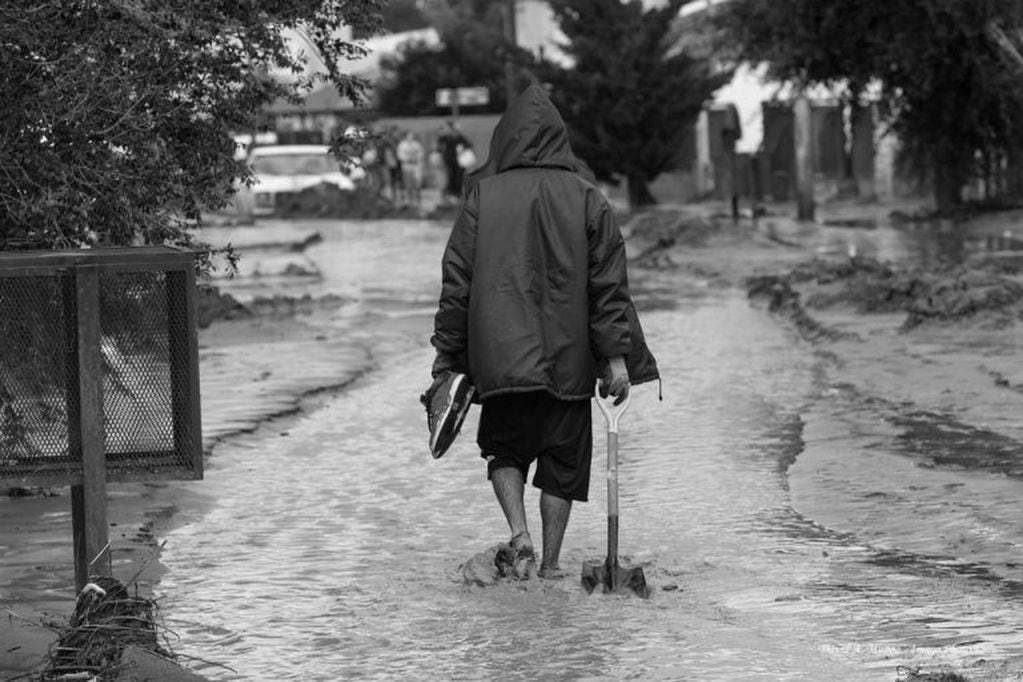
611	415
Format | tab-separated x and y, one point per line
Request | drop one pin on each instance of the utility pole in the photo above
509	34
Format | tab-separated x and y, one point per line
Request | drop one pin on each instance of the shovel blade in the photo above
605	577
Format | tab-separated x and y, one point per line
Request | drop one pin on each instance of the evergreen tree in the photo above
473	50
403	15
632	94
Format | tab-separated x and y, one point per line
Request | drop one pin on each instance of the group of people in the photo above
399	166
395	166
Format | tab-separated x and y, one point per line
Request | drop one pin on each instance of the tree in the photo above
942	82
474	46
117	115
633	93
403	15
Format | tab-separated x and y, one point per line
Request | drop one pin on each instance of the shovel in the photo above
609	575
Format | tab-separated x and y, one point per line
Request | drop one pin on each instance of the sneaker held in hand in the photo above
447	401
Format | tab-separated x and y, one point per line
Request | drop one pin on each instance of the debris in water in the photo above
494	564
106	620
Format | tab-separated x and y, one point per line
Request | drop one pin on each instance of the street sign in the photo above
462	97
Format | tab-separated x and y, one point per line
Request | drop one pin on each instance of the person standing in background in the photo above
466	160
375	177
437	175
447	144
391	164
411	156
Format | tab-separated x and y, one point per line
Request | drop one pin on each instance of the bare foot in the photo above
522	544
550	573
524	561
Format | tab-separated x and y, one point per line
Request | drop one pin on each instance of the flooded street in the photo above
783	518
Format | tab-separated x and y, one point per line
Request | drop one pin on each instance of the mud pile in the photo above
655	232
213	304
945	295
327	201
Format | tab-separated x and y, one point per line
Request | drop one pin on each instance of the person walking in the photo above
534	307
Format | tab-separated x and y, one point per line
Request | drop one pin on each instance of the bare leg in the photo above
509	487
554	513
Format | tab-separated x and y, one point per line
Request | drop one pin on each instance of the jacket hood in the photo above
530	134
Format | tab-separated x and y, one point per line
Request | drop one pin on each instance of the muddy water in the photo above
785	531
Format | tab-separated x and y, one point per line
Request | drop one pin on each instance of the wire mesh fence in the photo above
143	328
34	374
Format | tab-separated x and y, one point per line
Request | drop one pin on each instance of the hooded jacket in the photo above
535	290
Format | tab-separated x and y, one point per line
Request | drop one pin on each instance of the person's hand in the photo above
615	380
443	362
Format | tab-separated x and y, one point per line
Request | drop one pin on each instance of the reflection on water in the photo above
784	535
927	243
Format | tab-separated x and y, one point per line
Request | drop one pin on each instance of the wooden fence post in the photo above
803	129
89	500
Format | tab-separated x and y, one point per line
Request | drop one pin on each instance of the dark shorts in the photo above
517	428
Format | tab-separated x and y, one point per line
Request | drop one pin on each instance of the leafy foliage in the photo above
472	52
945	87
633	93
117	115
